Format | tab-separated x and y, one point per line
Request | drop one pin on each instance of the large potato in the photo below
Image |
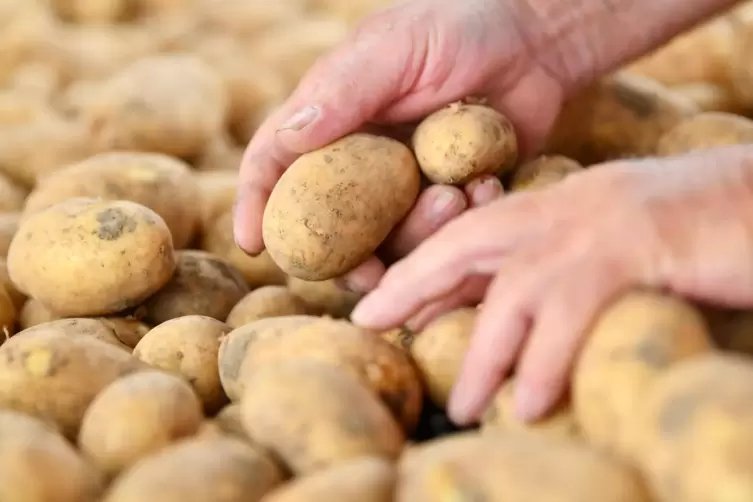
80	327
86	257
165	185
333	207
267	301
313	415
324	297
705	131
136	416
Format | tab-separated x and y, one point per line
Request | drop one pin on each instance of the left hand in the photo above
545	263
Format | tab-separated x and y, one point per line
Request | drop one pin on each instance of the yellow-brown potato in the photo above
229	421
267	301
84	326
91	11
257	270
705	131
9	223
695	431
439	349
619	116
632	342
351	11
54	376
86	257
203	284
38	465
205	468
12	196
128	330
19	299
34	313
324	297
334	206
173	104
235	345
543	171
164	184
367	479
313	415
505	466
217	194
710	97
740	60
464	141
188	346
136	416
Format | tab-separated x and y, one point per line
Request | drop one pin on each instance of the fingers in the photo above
468	294
483	190
365	277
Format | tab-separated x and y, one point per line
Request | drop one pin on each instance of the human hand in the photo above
545	262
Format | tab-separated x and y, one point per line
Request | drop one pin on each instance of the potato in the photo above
34	313
383	368
694	430
705	131
12	196
188	346
333	207
739	61
19	299
632	342
24	28
54	376
80	327
504	466
620	116
351	11
128	330
136	416
217	195
464	141
439	351
241	19
9	223
401	337
86	257
173	104
267	301
220	159
324	297
367	479
38	465
19	108
543	171
710	97
91	11
198	470
344	420
37	80
163	184
229	421
203	284
234	347
257	270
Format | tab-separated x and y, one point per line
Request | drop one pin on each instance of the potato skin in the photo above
705	131
324	297
542	172
34	313
128	330
464	141
278	412
81	326
333	207
108	256
267	301
136	416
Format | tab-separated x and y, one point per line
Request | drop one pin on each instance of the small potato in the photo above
80	327
12	196
632	342
203	284
217	194
136	416
205	468
127	329
439	351
257	270
543	172
705	131
54	376
235	345
86	257
34	313
9	223
19	299
324	297
267	301
313	416
188	346
163	184
333	207
38	465
464	141
367	479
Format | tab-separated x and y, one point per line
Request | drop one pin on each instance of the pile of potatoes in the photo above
145	357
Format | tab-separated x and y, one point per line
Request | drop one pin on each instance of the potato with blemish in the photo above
631	343
267	301
188	346
333	207
313	415
705	131
136	416
324	297
80	327
128	330
464	141
203	284
542	172
34	313
85	257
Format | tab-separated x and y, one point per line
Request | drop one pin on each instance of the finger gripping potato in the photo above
333	207
705	131
107	255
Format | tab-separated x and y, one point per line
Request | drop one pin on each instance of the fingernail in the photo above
366	312
529	405
341	283
486	190
462	402
442	203
300	119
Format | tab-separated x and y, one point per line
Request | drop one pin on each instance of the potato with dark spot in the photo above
631	343
267	301
128	330
313	415
34	313
542	172
333	207
136	416
203	284
402	337
705	131
464	141
324	297
86	257
80	327
188	346
9	223
201	469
